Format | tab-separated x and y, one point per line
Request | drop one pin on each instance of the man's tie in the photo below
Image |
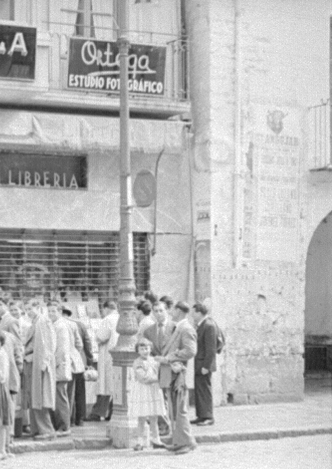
161	336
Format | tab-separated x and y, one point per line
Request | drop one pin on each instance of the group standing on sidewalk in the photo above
44	355
173	341
47	353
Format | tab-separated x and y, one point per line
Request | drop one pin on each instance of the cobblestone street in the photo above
310	452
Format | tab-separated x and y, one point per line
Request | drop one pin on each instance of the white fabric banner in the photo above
88	133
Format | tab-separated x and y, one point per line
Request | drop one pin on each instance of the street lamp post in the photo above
122	428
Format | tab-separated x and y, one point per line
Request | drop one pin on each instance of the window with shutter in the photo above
7	10
68	264
88	18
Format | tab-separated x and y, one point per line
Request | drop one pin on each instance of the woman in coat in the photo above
107	337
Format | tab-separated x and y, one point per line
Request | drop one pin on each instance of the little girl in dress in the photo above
4	399
147	400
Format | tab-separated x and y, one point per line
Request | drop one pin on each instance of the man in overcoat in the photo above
39	372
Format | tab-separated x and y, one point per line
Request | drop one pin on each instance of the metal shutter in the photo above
62	263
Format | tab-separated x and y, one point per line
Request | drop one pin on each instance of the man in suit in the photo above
77	364
169	304
76	389
159	334
63	368
205	365
9	323
181	346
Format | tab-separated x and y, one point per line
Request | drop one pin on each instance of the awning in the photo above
87	133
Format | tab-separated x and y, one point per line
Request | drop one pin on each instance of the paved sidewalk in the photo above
232	423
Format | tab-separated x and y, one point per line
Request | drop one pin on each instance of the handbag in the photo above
90	374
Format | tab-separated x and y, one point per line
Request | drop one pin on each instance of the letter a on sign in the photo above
18	45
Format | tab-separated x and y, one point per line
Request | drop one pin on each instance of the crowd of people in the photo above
166	341
45	352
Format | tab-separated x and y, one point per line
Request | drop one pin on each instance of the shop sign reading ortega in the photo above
43	171
95	65
17	52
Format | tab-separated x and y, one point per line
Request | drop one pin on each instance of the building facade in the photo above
233	131
60	149
261	156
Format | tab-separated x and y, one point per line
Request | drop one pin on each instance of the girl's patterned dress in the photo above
146	397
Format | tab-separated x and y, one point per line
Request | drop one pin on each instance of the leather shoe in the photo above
163	431
63	433
26	429
93	418
196	421
171	447
185	449
138	447
167	440
157	444
205	422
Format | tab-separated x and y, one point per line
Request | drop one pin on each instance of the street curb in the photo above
61	445
262	434
106	443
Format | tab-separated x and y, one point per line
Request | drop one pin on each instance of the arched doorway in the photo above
318	302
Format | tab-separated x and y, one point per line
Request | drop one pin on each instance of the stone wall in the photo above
250	155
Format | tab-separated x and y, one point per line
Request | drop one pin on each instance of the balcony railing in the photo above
176	69
319	142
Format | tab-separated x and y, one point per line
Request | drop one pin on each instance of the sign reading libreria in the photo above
17	52
95	65
43	171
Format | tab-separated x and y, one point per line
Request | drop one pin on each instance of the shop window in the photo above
19	11
98	19
145	25
7	10
88	18
76	267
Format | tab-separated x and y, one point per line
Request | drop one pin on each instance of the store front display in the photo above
78	268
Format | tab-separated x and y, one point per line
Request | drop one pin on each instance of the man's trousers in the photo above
62	408
77	398
178	408
40	422
203	396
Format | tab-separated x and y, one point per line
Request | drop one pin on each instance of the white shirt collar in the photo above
203	319
177	324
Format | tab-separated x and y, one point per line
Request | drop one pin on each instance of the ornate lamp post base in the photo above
122	429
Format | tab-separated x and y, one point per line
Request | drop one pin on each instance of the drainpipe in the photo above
238	179
154	247
187	132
